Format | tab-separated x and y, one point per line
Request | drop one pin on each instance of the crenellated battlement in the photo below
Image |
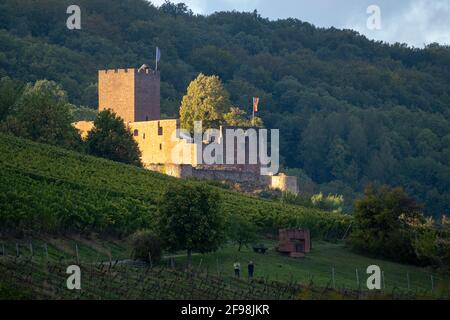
112	72
133	94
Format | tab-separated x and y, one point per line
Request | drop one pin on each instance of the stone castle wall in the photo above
116	92
147	96
84	127
282	182
158	142
132	95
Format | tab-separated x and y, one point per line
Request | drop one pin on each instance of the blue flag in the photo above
158	54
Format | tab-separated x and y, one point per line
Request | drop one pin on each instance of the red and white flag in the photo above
255	104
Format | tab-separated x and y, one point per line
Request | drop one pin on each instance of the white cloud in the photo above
419	23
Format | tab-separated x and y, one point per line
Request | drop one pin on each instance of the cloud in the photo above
418	23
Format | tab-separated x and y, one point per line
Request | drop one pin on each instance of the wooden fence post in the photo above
46	251
332	274
408	282
217	264
76	251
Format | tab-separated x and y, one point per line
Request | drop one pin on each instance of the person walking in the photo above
237	269
250	269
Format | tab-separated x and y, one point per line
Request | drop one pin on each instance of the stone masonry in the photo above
134	95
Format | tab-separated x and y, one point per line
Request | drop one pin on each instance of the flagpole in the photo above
156	58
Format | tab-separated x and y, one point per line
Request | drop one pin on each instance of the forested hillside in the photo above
351	111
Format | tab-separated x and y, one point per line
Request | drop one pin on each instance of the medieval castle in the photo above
134	95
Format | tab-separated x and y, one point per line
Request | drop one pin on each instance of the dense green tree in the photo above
383	223
241	231
42	114
111	139
206	100
146	246
214	61
190	218
175	9
238	117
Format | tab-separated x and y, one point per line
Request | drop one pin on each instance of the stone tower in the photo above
133	94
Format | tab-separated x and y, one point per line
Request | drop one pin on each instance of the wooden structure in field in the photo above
294	242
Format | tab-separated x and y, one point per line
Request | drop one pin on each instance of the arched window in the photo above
136	132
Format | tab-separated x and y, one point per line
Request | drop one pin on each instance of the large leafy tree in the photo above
238	117
42	114
384	220
190	218
111	139
206	100
241	230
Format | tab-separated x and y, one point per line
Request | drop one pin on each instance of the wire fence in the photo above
109	274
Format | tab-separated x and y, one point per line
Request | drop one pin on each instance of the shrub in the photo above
384	221
145	244
111	139
241	230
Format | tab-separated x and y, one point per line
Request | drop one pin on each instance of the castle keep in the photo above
134	95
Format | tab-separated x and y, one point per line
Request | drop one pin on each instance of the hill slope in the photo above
49	189
350	111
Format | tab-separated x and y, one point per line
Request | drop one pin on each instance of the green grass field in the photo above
316	268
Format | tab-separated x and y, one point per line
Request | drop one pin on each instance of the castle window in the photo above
160	130
160	146
143	136
136	133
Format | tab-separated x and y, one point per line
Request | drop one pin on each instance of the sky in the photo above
415	22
